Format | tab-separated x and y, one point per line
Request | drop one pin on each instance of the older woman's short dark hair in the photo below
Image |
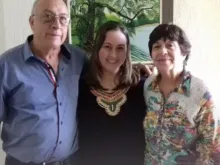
127	75
170	32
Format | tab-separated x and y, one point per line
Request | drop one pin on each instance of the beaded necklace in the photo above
111	102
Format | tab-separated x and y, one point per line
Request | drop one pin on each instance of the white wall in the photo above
201	20
2	27
14	18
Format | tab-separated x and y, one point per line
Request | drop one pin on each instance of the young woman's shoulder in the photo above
138	88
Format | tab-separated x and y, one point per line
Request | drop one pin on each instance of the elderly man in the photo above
39	90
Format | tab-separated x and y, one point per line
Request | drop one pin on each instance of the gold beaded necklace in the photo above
111	102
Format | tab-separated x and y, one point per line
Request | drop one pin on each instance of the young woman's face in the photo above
113	52
167	55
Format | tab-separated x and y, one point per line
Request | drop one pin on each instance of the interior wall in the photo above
201	21
14	17
2	27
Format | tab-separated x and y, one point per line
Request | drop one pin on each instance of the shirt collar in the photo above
183	88
27	54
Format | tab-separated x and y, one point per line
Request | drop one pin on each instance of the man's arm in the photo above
209	129
144	69
2	95
85	65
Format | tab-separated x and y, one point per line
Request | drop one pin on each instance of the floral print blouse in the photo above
181	129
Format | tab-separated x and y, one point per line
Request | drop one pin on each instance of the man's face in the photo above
49	23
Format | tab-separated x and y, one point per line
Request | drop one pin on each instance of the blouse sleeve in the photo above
209	129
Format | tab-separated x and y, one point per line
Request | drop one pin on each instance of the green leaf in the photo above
131	3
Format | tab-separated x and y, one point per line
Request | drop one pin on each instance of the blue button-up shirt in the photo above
37	126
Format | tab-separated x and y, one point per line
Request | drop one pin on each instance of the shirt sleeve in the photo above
86	64
2	95
209	130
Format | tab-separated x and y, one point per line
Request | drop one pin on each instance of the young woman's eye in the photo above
107	46
120	48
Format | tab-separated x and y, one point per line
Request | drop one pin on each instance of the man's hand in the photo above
144	69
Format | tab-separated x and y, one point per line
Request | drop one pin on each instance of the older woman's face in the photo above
167	55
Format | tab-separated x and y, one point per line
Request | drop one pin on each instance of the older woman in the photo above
180	127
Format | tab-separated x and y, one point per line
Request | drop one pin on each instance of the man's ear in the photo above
31	21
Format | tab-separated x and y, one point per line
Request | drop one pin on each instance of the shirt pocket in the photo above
33	95
72	84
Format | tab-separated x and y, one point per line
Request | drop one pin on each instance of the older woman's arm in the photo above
209	129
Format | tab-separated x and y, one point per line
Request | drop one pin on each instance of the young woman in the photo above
111	105
180	126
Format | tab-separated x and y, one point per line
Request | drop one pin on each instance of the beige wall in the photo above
201	20
14	18
2	27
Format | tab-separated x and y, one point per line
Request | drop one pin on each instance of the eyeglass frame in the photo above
53	18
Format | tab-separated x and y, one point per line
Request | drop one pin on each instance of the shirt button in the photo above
60	142
61	123
60	103
62	69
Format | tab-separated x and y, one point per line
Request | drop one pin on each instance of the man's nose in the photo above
56	23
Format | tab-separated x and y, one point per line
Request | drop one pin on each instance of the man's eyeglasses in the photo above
50	18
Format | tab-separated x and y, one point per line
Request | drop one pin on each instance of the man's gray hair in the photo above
34	7
33	10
